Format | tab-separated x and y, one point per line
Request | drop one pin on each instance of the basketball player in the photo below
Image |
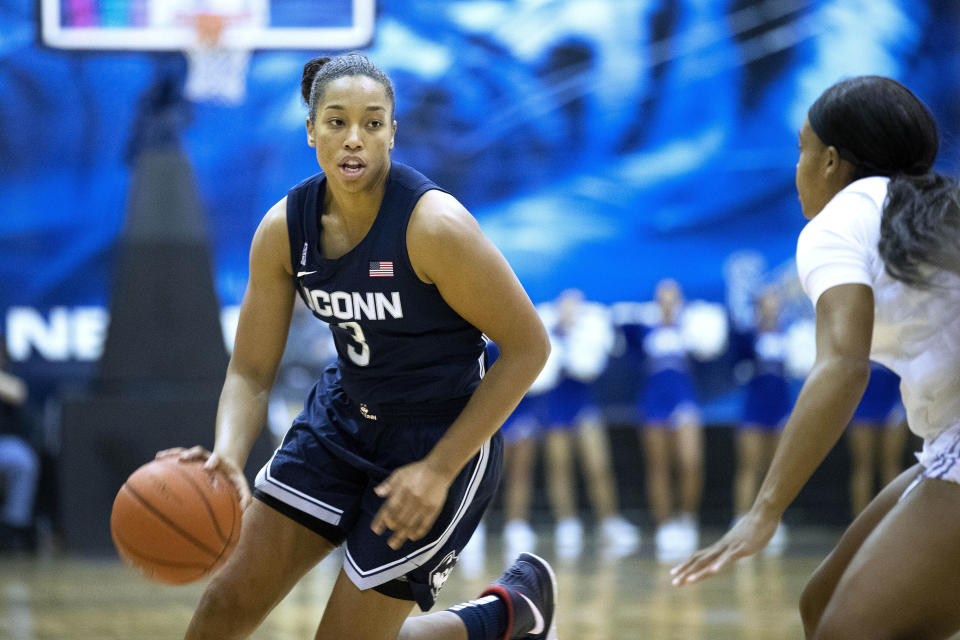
879	259
397	452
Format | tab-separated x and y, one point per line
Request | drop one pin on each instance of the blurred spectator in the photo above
765	409
876	437
19	465
672	430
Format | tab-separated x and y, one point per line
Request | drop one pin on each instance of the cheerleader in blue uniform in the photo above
581	339
521	435
765	410
672	430
876	436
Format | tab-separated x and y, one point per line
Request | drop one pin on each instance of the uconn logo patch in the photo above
442	571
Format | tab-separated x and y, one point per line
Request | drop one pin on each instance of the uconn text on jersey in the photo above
353	305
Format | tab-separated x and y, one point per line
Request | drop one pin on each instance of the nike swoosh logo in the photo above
537	616
300	274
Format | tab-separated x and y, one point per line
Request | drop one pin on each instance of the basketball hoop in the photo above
209	28
216	71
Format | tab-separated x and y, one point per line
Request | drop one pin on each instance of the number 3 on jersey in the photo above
361	356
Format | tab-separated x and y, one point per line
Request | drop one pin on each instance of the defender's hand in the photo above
749	535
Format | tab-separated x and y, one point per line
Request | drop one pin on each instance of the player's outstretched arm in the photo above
258	348
448	249
823	409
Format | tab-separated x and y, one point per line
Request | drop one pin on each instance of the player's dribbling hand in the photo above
214	462
414	495
750	534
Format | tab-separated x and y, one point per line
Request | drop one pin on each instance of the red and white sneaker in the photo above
529	587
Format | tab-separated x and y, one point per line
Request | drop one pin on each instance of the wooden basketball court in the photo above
56	597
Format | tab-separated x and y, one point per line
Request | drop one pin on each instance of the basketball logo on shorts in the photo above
440	574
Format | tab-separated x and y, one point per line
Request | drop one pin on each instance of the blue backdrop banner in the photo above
602	145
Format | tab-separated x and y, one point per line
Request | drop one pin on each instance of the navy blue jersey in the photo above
397	340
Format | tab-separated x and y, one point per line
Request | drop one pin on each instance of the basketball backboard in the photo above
165	25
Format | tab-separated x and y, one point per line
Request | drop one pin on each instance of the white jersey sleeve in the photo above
916	332
839	246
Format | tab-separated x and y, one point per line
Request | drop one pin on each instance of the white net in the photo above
217	60
217	74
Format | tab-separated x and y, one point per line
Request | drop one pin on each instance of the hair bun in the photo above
310	70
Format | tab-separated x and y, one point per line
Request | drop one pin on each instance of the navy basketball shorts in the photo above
324	473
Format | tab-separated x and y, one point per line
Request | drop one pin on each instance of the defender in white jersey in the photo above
879	259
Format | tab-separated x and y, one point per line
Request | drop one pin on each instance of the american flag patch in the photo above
381	269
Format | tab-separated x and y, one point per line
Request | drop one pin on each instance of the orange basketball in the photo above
175	521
